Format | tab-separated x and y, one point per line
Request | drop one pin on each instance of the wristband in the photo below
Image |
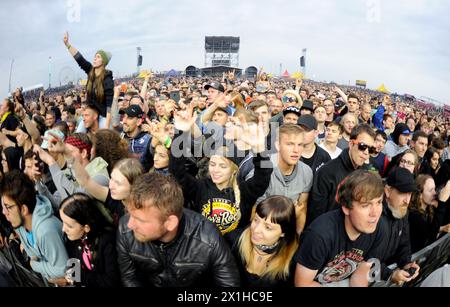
68	46
168	142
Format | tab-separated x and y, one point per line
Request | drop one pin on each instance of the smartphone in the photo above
175	95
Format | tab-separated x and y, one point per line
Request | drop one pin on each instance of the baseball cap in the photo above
133	111
292	109
402	179
308	105
307	121
215	85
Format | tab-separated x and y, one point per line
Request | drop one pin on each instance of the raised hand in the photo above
184	120
221	102
43	155
66	39
253	134
56	145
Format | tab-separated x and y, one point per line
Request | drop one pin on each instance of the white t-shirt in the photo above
334	154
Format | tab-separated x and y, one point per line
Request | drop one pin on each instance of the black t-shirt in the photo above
252	280
115	207
326	247
318	159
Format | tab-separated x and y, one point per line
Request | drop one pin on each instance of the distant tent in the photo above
383	89
172	73
286	74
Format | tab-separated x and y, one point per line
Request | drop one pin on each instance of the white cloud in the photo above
407	49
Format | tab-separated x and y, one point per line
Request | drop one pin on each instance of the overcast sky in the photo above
402	43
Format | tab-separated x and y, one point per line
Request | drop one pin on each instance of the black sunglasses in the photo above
363	147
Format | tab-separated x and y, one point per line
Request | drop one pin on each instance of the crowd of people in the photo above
182	182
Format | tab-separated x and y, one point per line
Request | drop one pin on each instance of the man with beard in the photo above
161	244
137	139
399	187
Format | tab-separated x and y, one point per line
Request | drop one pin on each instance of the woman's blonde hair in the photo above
232	182
279	210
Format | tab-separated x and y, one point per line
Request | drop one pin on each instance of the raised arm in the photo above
29	125
84	65
341	93
73	51
209	112
98	191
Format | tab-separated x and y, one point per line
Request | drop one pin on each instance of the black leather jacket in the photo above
197	257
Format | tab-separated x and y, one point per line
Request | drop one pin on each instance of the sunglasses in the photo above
289	99
363	147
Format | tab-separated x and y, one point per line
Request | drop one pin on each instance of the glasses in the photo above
406	162
8	208
289	99
363	147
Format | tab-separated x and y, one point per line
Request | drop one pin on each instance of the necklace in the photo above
261	256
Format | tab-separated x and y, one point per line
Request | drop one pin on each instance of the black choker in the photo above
268	249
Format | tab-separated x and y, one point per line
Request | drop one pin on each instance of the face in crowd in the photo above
320	114
403	139
220	117
265	232
397	201
90	117
263	113
213	94
130	123
161	157
364	214
353	105
220	169
329	106
332	134
359	149
13	212
119	185
420	146
379	144
290	148
290	118
408	162
72	228
276	106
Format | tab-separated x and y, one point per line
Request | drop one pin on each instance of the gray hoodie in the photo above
48	245
300	181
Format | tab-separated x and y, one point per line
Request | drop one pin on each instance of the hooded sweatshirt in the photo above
326	181
392	147
220	206
47	243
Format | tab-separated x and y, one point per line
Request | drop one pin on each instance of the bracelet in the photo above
68	46
168	142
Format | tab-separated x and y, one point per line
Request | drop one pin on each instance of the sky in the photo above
401	43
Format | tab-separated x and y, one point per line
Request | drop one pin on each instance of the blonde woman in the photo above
220	198
265	249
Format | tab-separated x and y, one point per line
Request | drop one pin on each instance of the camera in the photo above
411	271
40	164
